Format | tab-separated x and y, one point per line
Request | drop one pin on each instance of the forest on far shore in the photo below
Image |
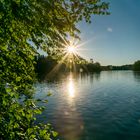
48	64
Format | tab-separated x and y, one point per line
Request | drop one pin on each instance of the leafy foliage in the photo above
23	23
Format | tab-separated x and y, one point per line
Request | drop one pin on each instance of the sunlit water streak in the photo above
71	89
102	106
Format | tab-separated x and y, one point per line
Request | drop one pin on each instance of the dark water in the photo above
103	106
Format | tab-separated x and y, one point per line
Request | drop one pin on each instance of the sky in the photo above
113	39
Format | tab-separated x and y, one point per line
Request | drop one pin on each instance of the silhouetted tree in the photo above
136	66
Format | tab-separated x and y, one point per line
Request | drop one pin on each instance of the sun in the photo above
71	49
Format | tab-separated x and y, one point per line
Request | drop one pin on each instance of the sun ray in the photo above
69	53
54	70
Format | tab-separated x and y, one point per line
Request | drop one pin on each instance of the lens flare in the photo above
71	49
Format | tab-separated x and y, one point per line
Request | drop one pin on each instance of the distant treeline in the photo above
123	67
47	65
134	67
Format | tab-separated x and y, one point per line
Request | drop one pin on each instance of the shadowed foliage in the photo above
49	66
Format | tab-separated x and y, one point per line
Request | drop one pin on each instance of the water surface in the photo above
103	106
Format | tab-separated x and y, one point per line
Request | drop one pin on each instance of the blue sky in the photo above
113	39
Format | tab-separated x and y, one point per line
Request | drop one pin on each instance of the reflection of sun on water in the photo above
69	116
71	90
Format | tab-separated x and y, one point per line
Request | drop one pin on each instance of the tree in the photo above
136	66
25	26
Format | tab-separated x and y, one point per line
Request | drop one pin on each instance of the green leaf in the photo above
45	101
18	79
55	134
49	94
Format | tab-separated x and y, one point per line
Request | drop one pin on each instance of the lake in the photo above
99	106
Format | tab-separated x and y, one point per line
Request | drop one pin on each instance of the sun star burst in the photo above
71	49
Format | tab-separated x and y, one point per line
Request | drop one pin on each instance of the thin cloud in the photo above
109	29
